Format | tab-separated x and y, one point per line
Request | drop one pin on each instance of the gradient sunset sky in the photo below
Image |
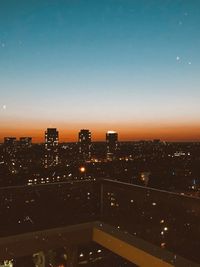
127	65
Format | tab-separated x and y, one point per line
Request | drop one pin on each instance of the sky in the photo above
125	65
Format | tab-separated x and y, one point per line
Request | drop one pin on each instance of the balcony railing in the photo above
163	224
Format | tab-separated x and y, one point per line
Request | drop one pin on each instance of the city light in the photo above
82	169
100	133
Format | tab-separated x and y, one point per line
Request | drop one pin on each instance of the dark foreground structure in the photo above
146	227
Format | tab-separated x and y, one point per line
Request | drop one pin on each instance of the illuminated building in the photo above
10	145
10	141
51	147
112	144
84	139
10	149
25	142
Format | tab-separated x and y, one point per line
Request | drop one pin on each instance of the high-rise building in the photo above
25	142
112	144
84	140
51	147
10	144
10	151
10	141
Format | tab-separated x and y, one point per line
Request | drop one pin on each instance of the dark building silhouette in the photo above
10	151
84	140
10	141
10	144
25	142
51	147
112	144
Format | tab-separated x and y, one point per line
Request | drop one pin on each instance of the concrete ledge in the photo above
136	250
127	251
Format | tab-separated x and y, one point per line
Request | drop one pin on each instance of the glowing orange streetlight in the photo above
82	169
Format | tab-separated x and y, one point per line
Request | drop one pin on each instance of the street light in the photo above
82	170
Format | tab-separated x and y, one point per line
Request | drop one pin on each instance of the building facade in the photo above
111	144
25	142
84	142
51	147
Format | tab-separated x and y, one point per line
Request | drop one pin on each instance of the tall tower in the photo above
112	144
10	152
51	147
84	140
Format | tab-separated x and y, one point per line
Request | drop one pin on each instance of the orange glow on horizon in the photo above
126	133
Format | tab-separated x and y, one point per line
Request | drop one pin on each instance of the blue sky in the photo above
110	63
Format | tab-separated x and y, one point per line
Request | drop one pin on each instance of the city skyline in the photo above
128	66
73	136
